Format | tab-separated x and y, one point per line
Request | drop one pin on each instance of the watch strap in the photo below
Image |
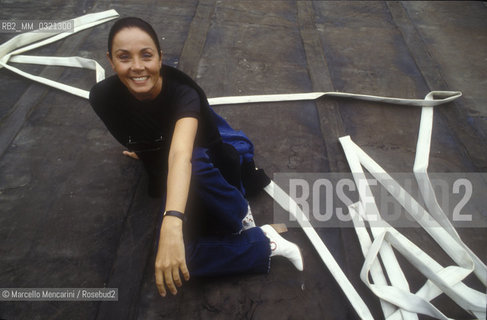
177	214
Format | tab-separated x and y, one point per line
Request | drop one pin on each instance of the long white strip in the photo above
28	41
287	203
443	96
420	172
10	50
74	62
389	260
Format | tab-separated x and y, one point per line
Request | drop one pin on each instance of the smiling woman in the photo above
137	61
199	165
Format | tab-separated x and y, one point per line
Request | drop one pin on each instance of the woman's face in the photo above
137	63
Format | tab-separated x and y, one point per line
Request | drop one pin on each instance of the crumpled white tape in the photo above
467	298
10	50
446	280
396	300
390	262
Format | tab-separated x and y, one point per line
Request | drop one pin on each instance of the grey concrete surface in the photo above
74	212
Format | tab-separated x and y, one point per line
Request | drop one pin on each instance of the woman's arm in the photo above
179	163
170	257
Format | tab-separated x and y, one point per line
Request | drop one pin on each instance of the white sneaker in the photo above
282	247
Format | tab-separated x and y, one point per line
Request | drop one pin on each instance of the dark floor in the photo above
74	212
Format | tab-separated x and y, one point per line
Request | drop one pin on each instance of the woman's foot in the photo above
282	247
132	155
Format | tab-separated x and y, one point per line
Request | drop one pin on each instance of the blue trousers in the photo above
215	242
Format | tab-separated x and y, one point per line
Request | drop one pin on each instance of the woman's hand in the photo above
170	257
132	155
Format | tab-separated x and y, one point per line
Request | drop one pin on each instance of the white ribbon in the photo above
446	96
446	280
396	300
10	50
286	202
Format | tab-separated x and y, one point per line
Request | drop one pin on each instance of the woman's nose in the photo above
137	64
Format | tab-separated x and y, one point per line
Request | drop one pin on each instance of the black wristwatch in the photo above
174	213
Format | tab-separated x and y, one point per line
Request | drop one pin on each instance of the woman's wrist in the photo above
171	227
174	213
173	222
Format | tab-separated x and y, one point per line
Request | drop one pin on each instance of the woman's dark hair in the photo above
132	22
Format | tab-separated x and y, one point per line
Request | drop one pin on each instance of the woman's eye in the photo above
123	57
147	55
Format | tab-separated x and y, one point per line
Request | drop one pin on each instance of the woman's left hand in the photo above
130	154
170	257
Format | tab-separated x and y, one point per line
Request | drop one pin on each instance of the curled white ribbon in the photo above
10	52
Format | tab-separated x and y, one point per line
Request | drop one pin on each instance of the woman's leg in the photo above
222	205
251	180
246	252
249	251
219	207
225	248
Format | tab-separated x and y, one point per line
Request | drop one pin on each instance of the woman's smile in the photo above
140	80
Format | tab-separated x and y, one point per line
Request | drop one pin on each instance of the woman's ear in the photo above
110	60
160	58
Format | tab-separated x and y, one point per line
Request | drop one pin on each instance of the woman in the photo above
201	167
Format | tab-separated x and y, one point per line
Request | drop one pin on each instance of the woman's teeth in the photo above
140	78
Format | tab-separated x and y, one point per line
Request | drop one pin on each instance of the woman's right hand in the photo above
170	257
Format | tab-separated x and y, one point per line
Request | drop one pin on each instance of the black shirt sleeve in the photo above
187	103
